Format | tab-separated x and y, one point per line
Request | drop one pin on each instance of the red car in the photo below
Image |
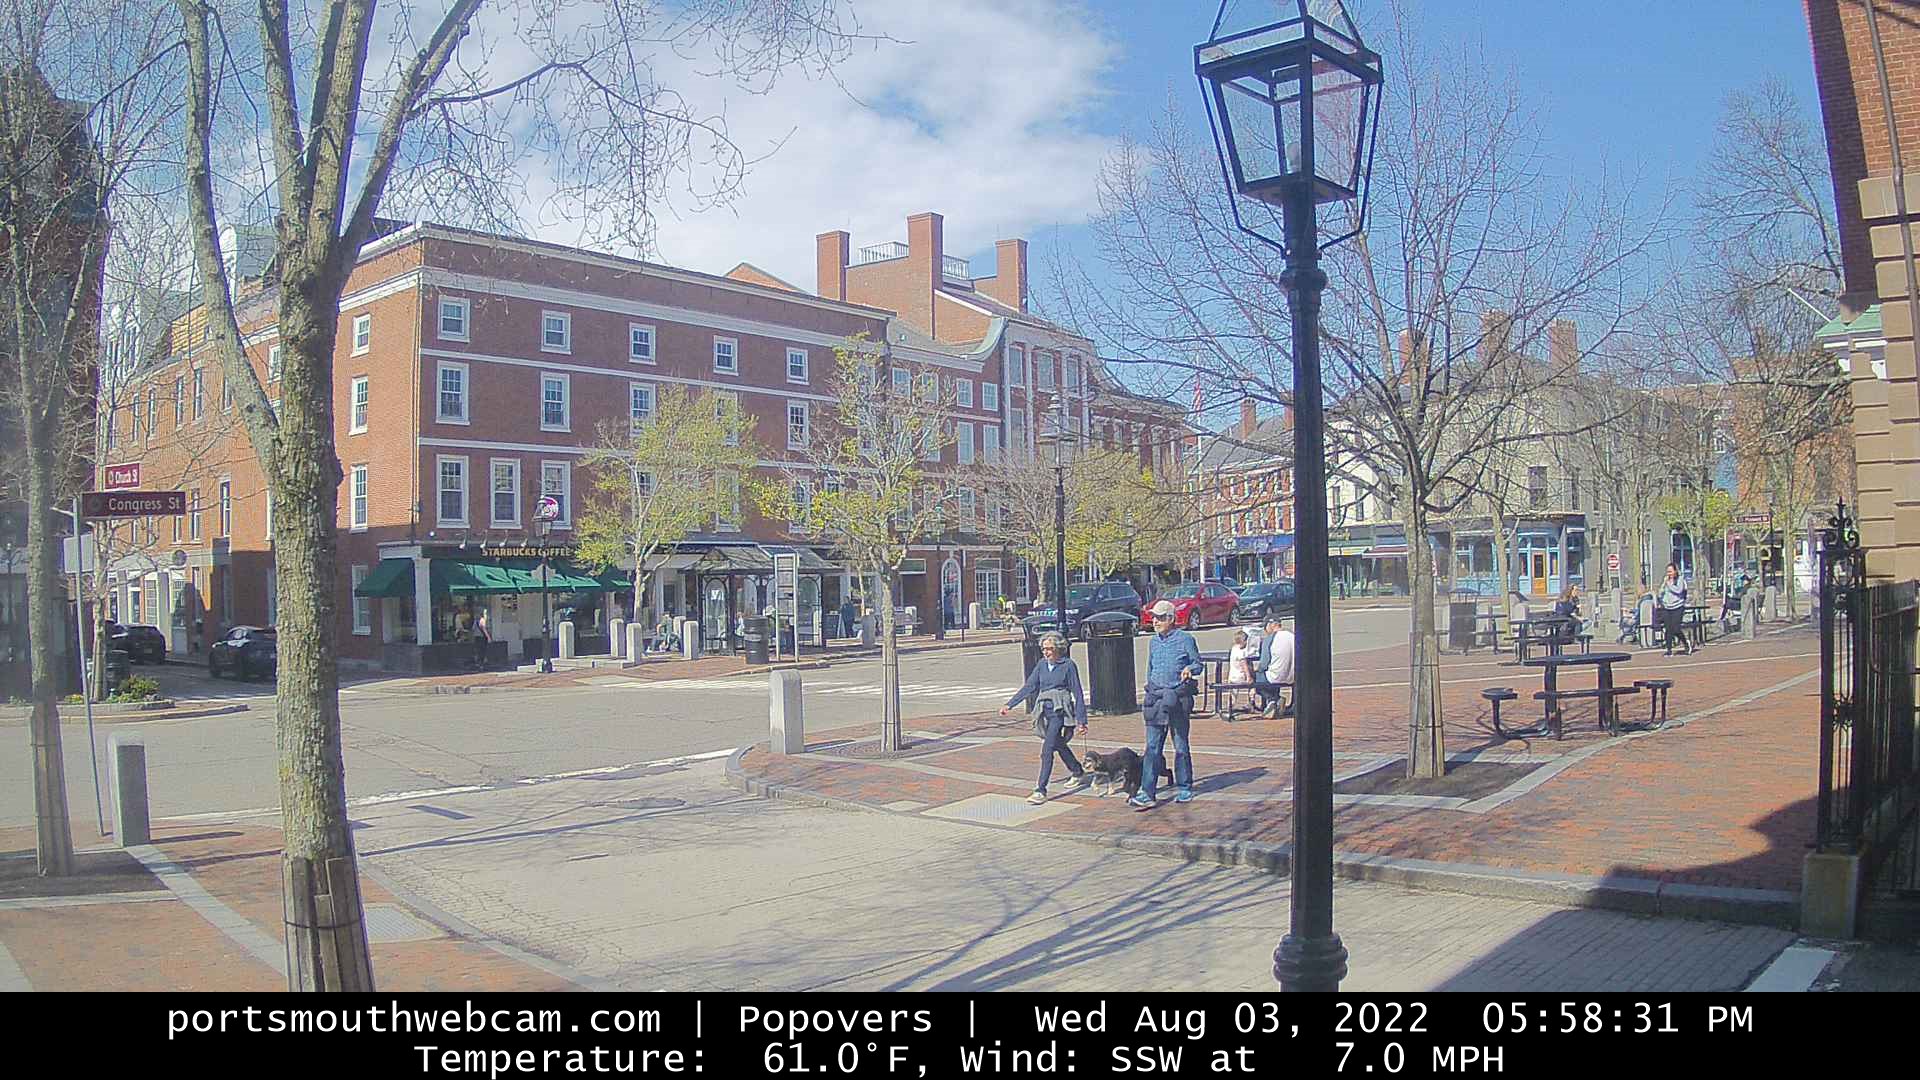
1195	605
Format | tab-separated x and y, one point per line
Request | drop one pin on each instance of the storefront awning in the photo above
810	563
463	577
392	578
1387	551
1346	549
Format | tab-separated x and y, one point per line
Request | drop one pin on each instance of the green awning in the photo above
460	578
392	578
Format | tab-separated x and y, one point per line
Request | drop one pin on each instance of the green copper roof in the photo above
1866	324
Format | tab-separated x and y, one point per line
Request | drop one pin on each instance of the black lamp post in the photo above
1293	97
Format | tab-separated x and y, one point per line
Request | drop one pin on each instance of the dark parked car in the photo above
1197	605
1091	598
145	644
247	652
1266	600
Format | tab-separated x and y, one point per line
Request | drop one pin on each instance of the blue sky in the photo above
997	112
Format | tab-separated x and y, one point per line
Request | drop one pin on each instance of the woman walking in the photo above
1672	602
1054	686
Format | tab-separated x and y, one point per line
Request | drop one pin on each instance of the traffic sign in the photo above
121	477
1613	562
126	504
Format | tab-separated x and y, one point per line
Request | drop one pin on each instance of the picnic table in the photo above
1695	623
1605	691
1552	631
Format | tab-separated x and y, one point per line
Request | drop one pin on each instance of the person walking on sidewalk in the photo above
1673	607
1054	686
848	614
1173	665
482	635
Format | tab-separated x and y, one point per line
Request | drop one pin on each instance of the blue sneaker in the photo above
1140	802
1185	795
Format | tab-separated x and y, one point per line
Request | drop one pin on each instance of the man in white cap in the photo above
1173	666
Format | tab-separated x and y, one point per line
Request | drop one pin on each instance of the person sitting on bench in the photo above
1275	670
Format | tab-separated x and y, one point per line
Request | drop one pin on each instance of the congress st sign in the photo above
127	504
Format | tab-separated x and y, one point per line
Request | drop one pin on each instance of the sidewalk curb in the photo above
137	717
1636	895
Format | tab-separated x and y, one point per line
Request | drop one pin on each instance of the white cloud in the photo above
977	111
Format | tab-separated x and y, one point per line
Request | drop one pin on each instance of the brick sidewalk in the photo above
214	923
1711	815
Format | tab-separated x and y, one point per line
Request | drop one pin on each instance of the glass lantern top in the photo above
1246	26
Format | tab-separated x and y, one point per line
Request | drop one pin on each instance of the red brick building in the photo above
1030	378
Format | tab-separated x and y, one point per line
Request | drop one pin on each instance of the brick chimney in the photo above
831	250
1563	347
1496	327
1009	281
1249	419
926	254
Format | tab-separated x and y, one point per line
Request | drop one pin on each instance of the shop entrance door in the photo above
1539	573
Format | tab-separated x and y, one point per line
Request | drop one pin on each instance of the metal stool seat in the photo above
1657	690
1496	695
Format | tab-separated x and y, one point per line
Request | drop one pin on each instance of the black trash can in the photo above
754	638
1462	621
1110	662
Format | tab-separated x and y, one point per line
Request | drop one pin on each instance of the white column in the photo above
422	600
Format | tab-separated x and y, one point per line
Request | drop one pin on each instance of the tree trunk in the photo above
1426	749
53	840
325	926
890	734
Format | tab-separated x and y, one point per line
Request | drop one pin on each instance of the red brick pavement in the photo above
1724	799
135	936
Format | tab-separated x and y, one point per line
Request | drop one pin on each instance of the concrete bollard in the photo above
1750	615
786	729
127	779
1773	602
976	615
636	643
566	640
867	632
690	639
617	638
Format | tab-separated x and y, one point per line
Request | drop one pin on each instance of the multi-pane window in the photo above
455	315
640	403
357	498
362	399
453	491
726	356
554	412
506	492
1073	374
273	363
802	505
153	413
199	393
113	430
226	394
226	508
796	365
362	605
990	396
796	425
968	502
452	399
556	483
193	516
729	502
179	401
556	331
902	381
963	442
1573	489
726	404
643	483
1536	486
963	393
1017	367
640	343
362	333
1044	376
990	442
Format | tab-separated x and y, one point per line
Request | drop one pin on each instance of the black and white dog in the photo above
1120	768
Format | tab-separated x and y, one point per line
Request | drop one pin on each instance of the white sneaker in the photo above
1037	798
1073	783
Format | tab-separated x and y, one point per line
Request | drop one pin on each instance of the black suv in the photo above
1091	598
144	644
248	652
1266	600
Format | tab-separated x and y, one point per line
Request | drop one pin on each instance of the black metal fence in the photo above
1869	755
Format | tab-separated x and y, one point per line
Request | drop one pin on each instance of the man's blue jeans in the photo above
1155	761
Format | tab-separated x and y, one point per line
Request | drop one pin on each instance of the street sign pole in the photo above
80	654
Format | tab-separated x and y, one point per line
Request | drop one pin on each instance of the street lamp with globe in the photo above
1293	97
545	513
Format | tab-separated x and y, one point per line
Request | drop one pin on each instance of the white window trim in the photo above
733	437
735	343
566	491
806	431
990	396
358	424
466	319
963	393
359	524
653	407
273	363
806	366
653	344
362	323
362	628
466	393
223	505
964	450
466	491
518	493
566	399
566	324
